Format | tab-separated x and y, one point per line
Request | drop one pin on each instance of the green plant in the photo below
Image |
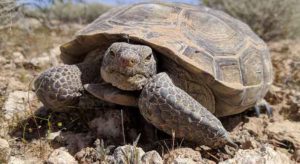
102	150
132	156
270	19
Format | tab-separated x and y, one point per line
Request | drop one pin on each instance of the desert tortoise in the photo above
182	65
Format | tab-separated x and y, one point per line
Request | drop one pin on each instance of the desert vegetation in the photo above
50	12
270	19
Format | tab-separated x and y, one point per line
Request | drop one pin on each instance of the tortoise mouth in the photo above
125	80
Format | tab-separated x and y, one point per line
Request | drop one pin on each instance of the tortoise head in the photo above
128	66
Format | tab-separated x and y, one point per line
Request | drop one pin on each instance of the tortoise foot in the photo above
263	104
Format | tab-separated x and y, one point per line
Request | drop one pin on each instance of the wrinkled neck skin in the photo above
128	67
90	69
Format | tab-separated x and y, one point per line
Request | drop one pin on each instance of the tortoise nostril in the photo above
128	62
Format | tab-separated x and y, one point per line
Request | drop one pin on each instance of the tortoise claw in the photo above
263	104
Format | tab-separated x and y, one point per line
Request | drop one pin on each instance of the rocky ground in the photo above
30	133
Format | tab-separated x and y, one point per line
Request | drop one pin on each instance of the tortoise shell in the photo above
219	50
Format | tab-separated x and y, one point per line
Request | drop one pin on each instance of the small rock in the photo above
46	58
32	160
60	156
15	160
183	161
18	57
40	61
285	131
17	105
128	154
182	156
4	151
3	60
152	157
262	155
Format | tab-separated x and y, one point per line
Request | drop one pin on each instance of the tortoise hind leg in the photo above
169	108
263	104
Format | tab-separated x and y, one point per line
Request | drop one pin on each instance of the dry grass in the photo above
50	13
270	19
7	12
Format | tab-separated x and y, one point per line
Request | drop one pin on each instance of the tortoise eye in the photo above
111	53
148	57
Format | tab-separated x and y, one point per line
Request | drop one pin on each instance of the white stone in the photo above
263	155
18	57
60	156
4	151
40	61
17	105
15	160
31	160
152	157
183	161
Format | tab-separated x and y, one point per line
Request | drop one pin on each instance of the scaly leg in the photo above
169	108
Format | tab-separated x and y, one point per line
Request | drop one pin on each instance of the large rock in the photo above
285	131
17	107
4	151
60	156
263	155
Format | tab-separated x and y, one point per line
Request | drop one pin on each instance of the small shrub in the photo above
76	12
270	19
49	11
7	11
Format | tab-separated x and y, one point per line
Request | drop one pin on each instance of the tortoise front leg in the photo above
169	108
59	88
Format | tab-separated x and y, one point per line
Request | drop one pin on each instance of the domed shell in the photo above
218	49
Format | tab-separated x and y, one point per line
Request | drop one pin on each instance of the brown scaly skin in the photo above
60	88
169	108
133	67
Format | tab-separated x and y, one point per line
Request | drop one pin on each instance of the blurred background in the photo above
270	19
